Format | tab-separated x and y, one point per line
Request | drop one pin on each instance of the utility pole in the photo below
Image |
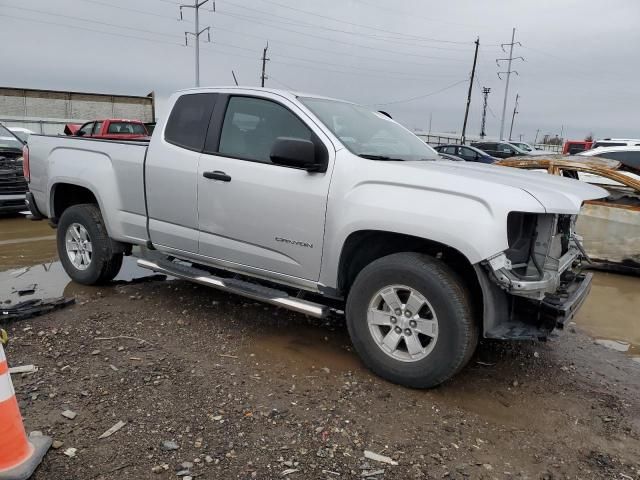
485	93
197	32
508	73
430	118
536	139
473	73
515	111
264	63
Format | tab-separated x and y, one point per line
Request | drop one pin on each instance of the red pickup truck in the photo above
110	128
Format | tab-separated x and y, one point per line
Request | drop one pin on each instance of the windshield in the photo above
128	128
522	146
8	140
24	136
367	133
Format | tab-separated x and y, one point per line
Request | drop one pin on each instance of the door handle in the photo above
217	175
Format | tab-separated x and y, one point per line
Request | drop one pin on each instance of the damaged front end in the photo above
537	283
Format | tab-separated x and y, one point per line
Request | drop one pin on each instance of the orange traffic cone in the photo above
19	455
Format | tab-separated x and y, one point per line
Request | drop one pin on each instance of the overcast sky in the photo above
580	69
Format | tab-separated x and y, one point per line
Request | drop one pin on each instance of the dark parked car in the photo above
13	186
465	152
499	149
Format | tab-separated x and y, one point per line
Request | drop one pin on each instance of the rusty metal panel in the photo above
611	232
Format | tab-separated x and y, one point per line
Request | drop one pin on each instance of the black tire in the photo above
105	263
444	290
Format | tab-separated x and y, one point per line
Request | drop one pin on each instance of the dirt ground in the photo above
251	391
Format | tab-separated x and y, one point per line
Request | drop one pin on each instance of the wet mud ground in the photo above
251	391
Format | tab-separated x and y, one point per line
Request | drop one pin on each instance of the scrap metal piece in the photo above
33	308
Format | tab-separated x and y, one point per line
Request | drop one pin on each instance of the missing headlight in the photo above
521	231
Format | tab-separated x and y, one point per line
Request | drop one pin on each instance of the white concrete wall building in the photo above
47	111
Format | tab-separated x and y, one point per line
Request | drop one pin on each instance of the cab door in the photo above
171	173
254	215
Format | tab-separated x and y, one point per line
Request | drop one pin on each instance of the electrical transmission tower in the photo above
485	93
197	32
263	77
508	74
515	111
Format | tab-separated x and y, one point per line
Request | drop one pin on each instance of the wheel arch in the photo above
63	195
364	246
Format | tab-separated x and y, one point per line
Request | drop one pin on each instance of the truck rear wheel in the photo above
84	247
410	320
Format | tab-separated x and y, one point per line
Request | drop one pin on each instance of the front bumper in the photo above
514	317
559	308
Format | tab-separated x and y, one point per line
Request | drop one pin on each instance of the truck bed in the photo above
113	170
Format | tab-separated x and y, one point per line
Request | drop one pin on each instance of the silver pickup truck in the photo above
323	206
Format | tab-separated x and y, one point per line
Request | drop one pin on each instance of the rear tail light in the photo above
25	163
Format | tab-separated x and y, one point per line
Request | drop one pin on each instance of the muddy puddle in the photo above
29	266
611	314
24	243
306	348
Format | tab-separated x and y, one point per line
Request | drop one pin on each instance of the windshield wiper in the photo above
379	157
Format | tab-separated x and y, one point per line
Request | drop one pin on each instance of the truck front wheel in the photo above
84	247
410	320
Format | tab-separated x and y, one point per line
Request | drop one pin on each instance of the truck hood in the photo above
555	194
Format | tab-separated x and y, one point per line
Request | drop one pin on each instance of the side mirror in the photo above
297	153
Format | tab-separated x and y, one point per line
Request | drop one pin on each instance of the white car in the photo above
629	156
21	133
616	142
530	149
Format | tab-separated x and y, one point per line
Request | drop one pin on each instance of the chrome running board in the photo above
239	287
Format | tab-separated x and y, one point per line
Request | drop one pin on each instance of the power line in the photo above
75	27
271	77
299	23
355	72
127	9
261	37
155	32
305	47
421	96
369	27
369	71
261	21
97	22
414	16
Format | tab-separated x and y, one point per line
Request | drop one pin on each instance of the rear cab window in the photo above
189	120
126	128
